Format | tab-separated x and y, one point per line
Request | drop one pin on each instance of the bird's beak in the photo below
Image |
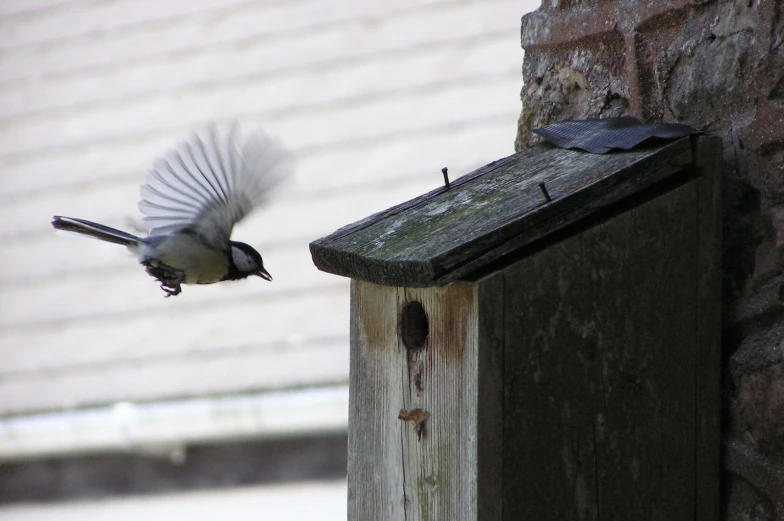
264	274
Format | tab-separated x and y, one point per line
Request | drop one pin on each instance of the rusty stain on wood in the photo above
372	329
418	417
450	328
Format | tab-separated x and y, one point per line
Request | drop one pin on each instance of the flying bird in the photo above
192	198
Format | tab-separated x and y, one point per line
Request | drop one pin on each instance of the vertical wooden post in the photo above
421	446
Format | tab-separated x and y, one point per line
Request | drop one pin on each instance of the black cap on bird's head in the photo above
246	261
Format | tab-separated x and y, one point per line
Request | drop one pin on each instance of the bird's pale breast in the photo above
201	264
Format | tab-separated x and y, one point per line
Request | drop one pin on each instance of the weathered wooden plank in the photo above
376	489
488	479
649	446
419	447
447	234
708	159
439	456
599	370
551	393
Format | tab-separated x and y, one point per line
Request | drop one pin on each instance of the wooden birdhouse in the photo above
539	340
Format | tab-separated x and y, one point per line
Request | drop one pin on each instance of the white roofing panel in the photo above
374	98
327	125
85	18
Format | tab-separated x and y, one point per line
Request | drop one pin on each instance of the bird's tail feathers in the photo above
94	230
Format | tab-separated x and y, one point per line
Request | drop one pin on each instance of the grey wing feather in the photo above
208	184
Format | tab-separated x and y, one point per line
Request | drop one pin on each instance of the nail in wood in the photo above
446	177
544	191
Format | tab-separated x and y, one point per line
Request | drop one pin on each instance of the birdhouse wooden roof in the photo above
482	218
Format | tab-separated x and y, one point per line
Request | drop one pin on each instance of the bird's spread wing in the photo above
208	183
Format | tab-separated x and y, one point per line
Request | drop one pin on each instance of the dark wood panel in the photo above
490	399
551	396
599	370
708	368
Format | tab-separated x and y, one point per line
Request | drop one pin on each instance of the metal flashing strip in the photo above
165	428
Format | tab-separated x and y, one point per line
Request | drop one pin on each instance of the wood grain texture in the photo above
446	234
488	480
375	484
396	471
708	158
599	370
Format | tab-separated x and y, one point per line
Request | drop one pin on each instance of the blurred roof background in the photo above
372	97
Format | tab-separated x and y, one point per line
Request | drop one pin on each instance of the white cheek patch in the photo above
242	260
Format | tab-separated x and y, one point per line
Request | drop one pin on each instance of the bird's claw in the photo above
169	278
171	291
